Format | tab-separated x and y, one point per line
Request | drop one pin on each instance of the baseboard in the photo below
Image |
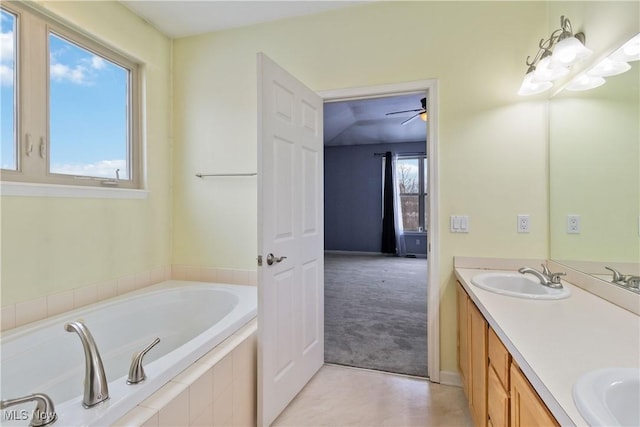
450	378
327	251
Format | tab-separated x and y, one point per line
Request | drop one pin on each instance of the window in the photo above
412	181
76	121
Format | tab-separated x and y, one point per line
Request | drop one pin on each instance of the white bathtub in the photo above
190	318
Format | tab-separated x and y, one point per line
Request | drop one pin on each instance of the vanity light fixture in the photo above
555	56
612	65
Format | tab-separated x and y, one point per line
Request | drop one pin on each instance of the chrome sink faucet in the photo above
96	388
546	277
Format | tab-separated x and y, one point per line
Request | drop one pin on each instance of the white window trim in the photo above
27	189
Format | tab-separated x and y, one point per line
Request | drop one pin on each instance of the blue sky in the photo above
87	107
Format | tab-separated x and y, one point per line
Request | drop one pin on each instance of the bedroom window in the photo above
412	177
75	113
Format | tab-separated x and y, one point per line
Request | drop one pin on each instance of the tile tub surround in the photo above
219	389
555	342
14	315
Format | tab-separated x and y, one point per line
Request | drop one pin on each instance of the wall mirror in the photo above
594	177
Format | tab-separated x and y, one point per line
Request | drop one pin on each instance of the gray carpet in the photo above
376	312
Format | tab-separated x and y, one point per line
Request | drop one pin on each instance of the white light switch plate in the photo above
459	223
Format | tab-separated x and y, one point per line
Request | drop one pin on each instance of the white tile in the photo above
138	417
60	302
205	419
201	396
107	289
167	272
157	275
223	407
193	273
225	275
176	412
85	295
8	320
126	284
30	311
164	396
222	375
209	275
240	277
142	279
253	278
179	272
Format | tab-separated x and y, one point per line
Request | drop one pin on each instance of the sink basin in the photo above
609	397
517	285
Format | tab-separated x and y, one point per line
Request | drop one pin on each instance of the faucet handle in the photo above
555	277
545	270
136	371
633	282
44	413
617	277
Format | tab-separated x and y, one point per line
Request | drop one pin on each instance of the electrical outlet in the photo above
523	223
573	224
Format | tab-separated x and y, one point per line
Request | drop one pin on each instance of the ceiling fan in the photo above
422	112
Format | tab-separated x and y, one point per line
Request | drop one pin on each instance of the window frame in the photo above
33	33
421	194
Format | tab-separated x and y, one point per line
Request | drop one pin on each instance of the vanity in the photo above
519	358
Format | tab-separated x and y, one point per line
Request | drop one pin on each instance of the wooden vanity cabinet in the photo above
498	393
527	409
472	351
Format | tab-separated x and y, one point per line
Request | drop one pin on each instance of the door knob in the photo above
272	258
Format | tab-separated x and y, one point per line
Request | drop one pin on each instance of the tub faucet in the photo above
136	371
632	282
44	413
96	389
546	277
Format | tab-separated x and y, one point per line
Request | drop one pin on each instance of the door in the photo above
290	238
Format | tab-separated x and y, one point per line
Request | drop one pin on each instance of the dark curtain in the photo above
388	220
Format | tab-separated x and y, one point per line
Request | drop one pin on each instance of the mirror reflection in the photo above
595	179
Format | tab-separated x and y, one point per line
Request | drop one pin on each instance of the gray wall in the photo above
353	197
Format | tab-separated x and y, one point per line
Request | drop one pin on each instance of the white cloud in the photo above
6	75
97	63
100	169
60	72
6	58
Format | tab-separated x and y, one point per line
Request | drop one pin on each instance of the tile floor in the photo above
342	396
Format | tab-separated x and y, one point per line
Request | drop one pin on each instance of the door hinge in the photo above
259	260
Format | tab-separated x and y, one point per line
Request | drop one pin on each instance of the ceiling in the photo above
345	123
176	18
364	121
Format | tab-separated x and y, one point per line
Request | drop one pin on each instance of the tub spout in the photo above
96	389
43	415
136	371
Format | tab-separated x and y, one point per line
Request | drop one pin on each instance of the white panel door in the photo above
290	238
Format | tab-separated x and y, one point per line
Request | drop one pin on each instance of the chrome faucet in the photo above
632	282
44	413
617	276
546	277
96	388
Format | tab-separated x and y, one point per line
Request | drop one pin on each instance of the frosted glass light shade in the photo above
568	51
423	116
585	82
608	67
546	71
531	87
630	51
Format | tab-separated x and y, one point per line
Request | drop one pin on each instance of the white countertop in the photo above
556	341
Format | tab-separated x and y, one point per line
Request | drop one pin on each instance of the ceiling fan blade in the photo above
411	118
405	111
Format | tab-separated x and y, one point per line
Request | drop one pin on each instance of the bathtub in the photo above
190	318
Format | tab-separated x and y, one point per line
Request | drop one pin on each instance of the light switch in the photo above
459	223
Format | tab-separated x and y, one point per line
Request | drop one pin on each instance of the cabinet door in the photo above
463	338
478	362
497	400
526	407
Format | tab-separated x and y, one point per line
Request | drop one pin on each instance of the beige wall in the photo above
51	245
493	144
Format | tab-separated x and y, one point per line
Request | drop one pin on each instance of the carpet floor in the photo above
376	312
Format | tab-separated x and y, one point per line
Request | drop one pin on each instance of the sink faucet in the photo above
44	413
96	388
546	277
632	282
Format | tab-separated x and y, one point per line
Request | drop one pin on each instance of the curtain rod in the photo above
418	153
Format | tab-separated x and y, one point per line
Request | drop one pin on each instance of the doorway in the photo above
365	260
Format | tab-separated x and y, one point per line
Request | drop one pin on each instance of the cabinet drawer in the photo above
497	401
499	358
